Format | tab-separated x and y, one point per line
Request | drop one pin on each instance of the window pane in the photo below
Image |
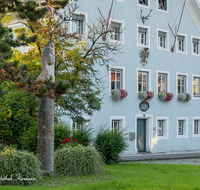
118	77
144	86
144	77
118	83
139	77
140	86
183	89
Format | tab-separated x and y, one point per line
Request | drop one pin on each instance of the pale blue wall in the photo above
129	12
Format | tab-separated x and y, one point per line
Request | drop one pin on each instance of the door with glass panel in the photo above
141	135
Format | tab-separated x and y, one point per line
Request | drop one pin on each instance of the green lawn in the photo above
129	176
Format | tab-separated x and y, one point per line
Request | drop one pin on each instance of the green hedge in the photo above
21	167
79	160
110	144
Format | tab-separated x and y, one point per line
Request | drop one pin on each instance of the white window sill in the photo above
195	98
163	11
182	137
143	6
194	54
182	52
162	49
196	135
163	138
120	1
116	41
143	46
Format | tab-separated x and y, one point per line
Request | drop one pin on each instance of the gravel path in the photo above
194	161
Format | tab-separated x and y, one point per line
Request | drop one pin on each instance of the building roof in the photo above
194	8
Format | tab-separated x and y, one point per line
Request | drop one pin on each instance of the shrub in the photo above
116	95
79	160
84	135
61	131
17	165
69	142
110	144
29	140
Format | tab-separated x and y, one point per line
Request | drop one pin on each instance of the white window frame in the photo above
165	120
193	119
185	127
148	77
186	85
144	6
71	123
121	22
85	28
168	79
121	120
147	36
195	97
185	44
122	68
120	1
166	40
161	10
192	52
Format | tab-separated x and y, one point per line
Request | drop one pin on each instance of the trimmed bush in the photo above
21	167
61	131
110	144
116	95
79	160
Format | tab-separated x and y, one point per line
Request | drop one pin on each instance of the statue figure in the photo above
144	55
48	61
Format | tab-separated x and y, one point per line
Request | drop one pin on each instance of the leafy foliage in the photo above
79	160
18	113
84	135
29	139
18	165
110	144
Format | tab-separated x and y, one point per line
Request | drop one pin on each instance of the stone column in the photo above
45	139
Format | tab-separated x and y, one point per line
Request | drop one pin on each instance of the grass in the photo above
127	176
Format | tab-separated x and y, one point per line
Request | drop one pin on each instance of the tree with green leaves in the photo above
76	59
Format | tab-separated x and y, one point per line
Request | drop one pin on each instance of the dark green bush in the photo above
18	113
61	131
79	160
110	144
17	165
85	135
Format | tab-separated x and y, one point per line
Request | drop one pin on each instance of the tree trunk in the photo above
45	139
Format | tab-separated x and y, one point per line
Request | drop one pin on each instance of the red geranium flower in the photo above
59	144
70	137
63	142
75	139
80	142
